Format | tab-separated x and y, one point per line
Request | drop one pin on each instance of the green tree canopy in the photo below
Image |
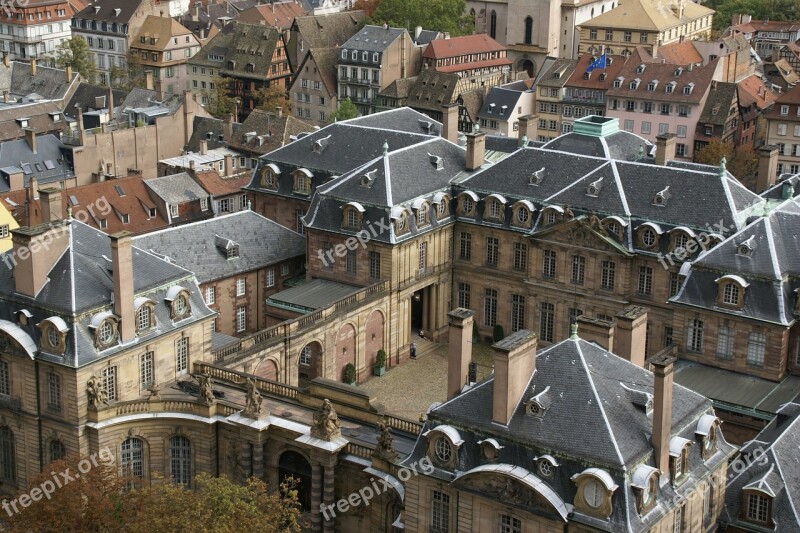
129	76
220	101
268	98
741	161
758	9
346	110
440	15
74	52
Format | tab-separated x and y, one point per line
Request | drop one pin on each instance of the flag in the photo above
598	62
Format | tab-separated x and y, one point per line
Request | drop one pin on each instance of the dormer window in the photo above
648	235
494	207
441	207
537	405
730	290
178	300
269	176
603	75
678	71
466	204
594	188
640	68
661	197
745	248
757	506
490	448
369	178
645	484
302	181
537	177
422	214
634	84
618	82
546	465
54	331
679	459
688	89
145	314
595	488
105	328
443	444
707	429
614	226
670	87
652	85
522	213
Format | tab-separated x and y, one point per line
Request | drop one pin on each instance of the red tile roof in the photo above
458	46
278	14
474	64
679	53
754	91
594	82
218	186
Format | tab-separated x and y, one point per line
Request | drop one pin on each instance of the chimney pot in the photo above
68	73
30	136
630	336
476	149
514	364
279	111
460	322
122	260
665	148
33	67
51	203
767	167
597	330
148	80
662	410
450	122
203	146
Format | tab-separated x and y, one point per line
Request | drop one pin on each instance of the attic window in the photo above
618	82
678	71
661	197
503	110
587	75
537	405
491	108
537	177
603	76
320	144
652	85
546	465
640	68
369	178
436	161
746	248
688	89
635	84
119	190
594	188
670	87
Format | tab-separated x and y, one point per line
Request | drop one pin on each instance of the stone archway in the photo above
293	465
267	369
373	339
527	65
344	350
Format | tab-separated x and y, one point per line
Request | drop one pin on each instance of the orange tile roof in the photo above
278	14
218	186
594	81
754	91
679	53
458	46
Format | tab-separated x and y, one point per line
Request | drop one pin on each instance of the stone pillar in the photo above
246	460
328	497
316	497
257	457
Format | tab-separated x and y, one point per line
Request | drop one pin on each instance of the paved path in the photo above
409	389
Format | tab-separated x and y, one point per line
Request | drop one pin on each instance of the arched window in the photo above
56	450
8	456
131	458
143	316
493	25
292	464
528	30
180	460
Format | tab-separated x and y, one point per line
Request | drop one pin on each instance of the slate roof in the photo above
86	96
127	8
564	66
770	268
770	463
647	15
373	38
176	189
432	89
499	100
591	421
144	98
211	130
244	44
80	285
196	247
325	31
271	132
718	104
312	295
49	83
48	164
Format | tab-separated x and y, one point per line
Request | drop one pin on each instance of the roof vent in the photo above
537	405
641	399
320	144
537	177
436	161
661	197
746	247
594	188
369	178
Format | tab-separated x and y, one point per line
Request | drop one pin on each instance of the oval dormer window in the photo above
181	305
648	237
106	333
523	215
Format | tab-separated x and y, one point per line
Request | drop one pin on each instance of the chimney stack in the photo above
30	136
597	330
476	149
36	251
5	97
460	349
203	147
227	127
148	80
110	103
767	167
528	127
80	126
68	73
228	164
662	411
279	111
665	148
6	60
51	204
33	67
122	258
514	363
630	336
450	122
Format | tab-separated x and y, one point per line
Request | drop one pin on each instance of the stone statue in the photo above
385	449
568	214
96	392
326	423
206	390
153	390
595	223
253	400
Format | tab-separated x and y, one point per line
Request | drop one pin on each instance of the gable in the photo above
582	232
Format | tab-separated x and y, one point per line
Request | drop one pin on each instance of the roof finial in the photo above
573	331
524	141
69	212
641	151
385	148
722	163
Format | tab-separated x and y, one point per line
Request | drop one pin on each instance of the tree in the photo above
346	110
758	9
741	161
367	6
74	52
130	75
268	98
220	101
440	15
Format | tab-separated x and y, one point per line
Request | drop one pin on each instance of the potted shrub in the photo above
497	334
350	374
380	363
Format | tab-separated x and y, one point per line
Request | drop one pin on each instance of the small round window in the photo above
545	468
467	205
523	215
53	337
593	493
106	332
443	450
648	237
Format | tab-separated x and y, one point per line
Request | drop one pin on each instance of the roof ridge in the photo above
786	485
622	195
576	182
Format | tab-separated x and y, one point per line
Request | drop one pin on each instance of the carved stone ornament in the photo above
206	390
326	423
96	392
253	400
385	448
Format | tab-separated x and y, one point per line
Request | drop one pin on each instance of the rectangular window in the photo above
546	322
463	296
270	278
422	256
756	346
466	246
509	524
492	250
630	105
663	128
781	129
627	36
725	337
241	318
593	34
573	313
628	126
53	391
490	308
350	262
240	287
668	336
109	378
645	127
757	507
374	265
520	256
182	355
5	379
440	512
608	275
674	284
285	269
694	336
609	35
517	312
146	369
645	284
680	150
578	269
549	266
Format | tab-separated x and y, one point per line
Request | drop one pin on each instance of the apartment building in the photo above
585	90
783	130
477	58
164	47
35	29
550	91
767	37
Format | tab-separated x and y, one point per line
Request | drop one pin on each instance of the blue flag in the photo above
598	62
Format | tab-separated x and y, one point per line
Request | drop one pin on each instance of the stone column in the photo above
316	497
258	459
328	497
246	460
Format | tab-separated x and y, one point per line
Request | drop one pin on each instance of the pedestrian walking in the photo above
413	350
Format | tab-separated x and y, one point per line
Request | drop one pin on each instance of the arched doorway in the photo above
309	362
267	369
345	351
373	329
293	465
527	66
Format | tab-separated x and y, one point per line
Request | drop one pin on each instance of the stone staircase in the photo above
424	346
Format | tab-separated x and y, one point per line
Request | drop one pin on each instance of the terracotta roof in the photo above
594	82
160	28
458	46
271	132
217	186
791	97
278	14
646	15
680	53
766	25
100	201
752	90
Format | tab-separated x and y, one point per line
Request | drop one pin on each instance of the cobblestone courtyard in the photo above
409	389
